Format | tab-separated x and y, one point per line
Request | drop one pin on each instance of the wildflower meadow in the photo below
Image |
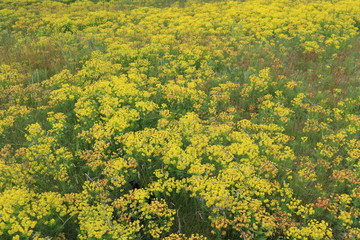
179	119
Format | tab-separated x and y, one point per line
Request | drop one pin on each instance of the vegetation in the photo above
170	120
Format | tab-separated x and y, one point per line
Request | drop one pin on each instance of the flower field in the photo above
175	120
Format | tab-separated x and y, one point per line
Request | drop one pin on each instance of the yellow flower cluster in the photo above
186	119
25	213
314	230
